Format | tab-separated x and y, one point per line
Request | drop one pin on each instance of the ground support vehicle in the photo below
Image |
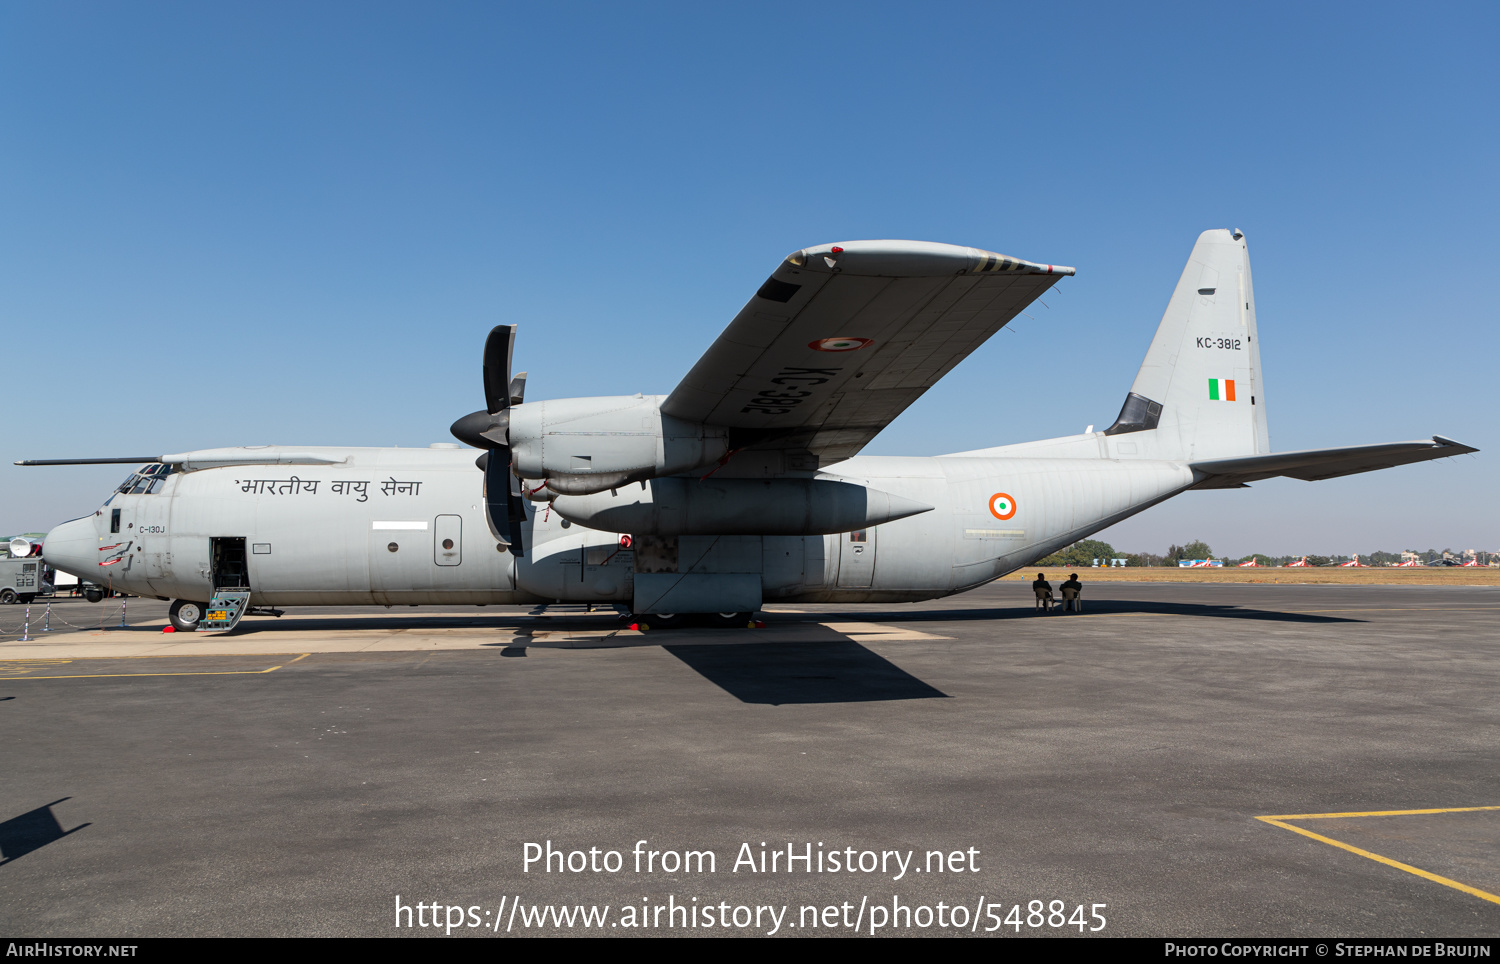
23	579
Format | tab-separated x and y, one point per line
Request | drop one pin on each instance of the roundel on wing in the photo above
1002	506
839	344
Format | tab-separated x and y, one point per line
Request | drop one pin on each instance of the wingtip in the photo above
1445	442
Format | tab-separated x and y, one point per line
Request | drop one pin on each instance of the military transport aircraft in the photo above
743	485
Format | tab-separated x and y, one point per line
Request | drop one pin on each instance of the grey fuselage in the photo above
324	534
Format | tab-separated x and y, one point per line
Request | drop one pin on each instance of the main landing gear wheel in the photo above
666	620
185	615
93	595
736	620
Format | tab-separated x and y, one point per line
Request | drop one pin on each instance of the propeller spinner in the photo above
505	508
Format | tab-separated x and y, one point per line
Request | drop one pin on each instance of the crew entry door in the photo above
231	584
857	559
229	566
448	540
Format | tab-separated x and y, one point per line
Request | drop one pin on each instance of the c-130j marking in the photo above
744	484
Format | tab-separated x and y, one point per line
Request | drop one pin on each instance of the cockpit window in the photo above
146	480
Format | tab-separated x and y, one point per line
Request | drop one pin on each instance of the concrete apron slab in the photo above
539	636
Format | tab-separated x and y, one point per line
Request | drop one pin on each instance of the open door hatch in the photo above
231	581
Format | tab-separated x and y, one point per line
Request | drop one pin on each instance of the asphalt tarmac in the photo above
260	784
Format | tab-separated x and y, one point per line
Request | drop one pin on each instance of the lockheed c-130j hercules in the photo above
743	485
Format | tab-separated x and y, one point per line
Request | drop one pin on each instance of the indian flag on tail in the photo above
1221	389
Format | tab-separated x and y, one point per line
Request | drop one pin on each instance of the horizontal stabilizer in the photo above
1317	464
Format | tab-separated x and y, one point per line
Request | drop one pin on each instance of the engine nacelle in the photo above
766	507
584	445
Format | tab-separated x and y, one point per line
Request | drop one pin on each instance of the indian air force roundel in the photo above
1002	506
839	344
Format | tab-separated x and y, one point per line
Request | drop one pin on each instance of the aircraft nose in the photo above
72	547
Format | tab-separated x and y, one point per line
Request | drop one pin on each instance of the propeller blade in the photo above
497	495
497	354
504	506
515	506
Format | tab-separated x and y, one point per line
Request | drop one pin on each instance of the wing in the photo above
842	338
1318	464
208	458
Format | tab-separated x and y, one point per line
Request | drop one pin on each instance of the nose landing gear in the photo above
184	615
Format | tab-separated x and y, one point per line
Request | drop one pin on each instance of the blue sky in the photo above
227	224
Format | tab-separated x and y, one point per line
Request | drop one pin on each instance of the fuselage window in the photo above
114	520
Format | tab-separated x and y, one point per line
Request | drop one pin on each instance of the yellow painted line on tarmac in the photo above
1304	612
27	665
69	659
1279	821
239	672
1425	609
1373	813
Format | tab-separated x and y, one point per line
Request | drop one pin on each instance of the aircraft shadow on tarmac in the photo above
30	831
810	664
505	621
782	673
1106	608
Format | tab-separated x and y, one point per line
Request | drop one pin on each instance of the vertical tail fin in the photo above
1199	395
